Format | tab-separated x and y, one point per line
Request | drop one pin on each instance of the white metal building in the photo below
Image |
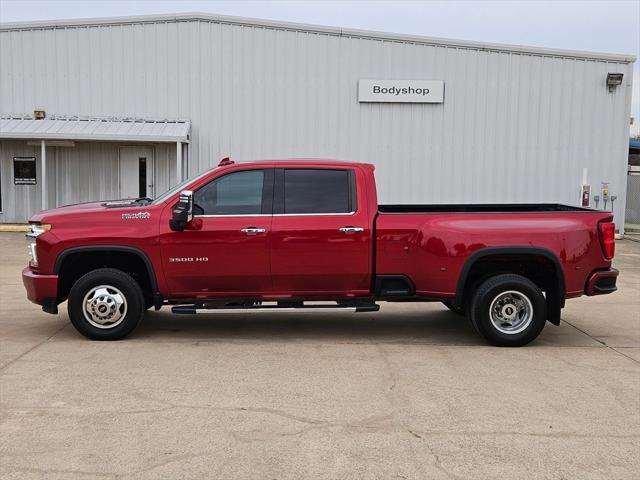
133	104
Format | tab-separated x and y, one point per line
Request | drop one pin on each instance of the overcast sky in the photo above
602	26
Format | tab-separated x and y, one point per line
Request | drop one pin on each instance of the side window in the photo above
318	191
238	193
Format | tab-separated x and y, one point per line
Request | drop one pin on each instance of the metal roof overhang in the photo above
301	27
95	129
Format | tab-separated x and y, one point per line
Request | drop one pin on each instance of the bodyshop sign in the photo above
401	91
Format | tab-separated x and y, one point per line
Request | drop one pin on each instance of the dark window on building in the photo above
318	191
24	170
142	177
238	193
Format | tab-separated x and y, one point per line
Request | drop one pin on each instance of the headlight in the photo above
36	229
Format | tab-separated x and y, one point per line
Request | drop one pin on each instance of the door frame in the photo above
153	164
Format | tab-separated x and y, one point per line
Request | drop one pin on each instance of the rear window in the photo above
318	191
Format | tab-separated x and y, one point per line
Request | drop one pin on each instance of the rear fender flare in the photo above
513	250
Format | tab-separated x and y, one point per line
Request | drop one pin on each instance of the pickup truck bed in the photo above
480	208
443	251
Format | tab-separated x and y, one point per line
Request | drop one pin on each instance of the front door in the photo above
136	172
225	249
321	236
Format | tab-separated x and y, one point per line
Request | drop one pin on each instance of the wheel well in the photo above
76	264
540	269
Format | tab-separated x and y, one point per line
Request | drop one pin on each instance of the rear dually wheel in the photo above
508	310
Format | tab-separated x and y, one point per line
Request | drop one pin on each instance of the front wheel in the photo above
105	304
508	310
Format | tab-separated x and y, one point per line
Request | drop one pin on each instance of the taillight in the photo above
607	239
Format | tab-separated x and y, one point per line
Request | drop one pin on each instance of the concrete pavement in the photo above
409	392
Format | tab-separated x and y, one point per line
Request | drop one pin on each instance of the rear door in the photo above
321	238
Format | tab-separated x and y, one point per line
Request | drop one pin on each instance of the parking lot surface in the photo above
409	392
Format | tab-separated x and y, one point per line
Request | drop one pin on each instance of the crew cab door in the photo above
224	251
321	237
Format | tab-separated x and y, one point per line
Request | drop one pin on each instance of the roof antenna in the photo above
226	161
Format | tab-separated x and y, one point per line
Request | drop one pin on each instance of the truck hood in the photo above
110	207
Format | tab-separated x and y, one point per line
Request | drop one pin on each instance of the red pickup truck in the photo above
309	235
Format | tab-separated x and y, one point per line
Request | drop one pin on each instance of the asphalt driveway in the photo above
409	392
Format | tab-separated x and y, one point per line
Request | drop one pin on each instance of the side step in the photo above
355	308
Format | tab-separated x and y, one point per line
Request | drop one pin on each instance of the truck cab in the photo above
282	231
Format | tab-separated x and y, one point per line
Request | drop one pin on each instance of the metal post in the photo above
179	161
43	162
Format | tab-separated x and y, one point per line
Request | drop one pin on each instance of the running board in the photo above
193	309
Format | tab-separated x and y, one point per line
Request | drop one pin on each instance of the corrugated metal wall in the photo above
633	199
85	172
19	201
514	127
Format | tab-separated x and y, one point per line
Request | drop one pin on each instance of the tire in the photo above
458	311
106	304
508	310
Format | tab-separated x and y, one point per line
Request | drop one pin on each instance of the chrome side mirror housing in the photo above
182	212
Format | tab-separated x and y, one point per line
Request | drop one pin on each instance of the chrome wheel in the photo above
104	306
511	312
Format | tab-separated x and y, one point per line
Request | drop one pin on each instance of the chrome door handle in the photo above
253	230
350	230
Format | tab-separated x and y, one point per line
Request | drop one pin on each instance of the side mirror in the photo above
182	213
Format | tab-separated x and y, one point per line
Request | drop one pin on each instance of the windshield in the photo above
164	197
